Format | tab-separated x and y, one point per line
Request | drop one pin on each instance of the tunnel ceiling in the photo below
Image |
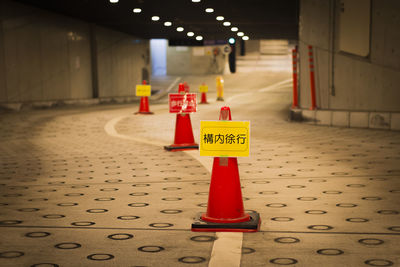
258	19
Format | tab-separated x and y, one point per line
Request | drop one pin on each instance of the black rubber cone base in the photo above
144	112
250	226
179	148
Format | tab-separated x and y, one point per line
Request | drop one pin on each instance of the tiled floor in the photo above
73	195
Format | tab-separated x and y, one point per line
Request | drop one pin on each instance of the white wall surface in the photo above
46	57
184	60
345	81
121	60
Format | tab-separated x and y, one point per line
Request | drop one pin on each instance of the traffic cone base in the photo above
181	147
144	112
252	225
220	98
144	106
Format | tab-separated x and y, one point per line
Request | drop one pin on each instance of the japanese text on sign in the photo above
225	138
143	90
186	103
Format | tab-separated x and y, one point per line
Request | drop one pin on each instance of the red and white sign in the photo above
182	103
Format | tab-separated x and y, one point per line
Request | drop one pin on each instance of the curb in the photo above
349	119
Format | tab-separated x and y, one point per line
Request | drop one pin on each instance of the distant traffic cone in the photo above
184	139
203	98
225	212
203	91
144	104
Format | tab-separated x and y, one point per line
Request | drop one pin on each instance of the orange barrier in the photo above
295	90
312	78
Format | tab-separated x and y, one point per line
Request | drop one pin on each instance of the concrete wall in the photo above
122	61
345	81
45	57
186	60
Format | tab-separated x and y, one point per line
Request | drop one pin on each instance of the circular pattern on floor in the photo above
371	241
378	262
192	259
320	227
100	257
151	249
67	245
287	240
330	251
120	236
283	261
37	234
203	238
11	254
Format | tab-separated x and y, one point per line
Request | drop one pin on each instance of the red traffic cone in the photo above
144	105
186	86
184	139
225	212
203	98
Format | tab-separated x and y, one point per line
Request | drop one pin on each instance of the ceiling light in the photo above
240	34
137	10
195	1
199	38
245	38
234	29
168	23
227	23
209	10
190	34
180	29
231	40
220	18
114	1
155	18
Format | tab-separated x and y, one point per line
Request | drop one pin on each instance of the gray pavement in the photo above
92	186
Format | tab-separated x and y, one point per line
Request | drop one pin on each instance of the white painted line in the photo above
276	85
173	84
110	130
227	250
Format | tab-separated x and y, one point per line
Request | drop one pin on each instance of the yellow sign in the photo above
225	138
143	90
203	88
